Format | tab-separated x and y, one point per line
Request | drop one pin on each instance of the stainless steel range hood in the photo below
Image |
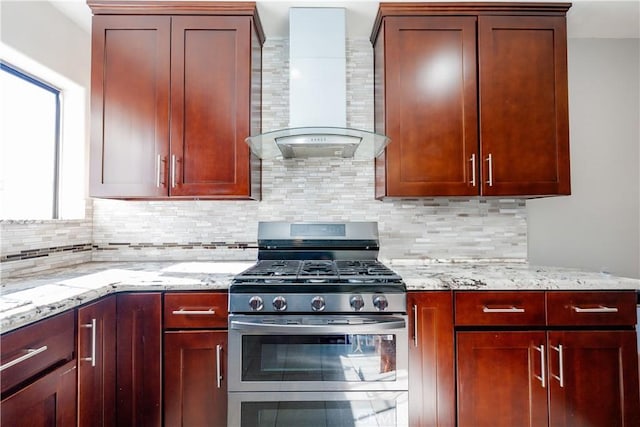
317	94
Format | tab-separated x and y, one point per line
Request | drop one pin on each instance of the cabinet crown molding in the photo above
176	7
466	8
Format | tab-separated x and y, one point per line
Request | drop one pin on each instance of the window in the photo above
29	146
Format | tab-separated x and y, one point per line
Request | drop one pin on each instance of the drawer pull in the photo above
600	309
31	352
210	312
512	309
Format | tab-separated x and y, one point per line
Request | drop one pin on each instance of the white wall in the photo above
597	228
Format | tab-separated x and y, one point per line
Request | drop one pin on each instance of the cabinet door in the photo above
430	106
49	401
130	106
593	379
431	358
210	106
501	379
195	390
139	360
524	122
97	363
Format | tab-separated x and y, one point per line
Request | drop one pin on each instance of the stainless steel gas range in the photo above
318	331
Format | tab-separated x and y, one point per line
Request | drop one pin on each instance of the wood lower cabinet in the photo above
97	363
176	89
593	379
195	342
49	401
431	359
579	368
195	393
474	103
500	379
139	360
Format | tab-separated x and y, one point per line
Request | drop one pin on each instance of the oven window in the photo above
353	413
344	358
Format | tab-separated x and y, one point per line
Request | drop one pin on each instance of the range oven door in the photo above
318	353
346	409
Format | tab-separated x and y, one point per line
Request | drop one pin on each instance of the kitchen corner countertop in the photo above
24	300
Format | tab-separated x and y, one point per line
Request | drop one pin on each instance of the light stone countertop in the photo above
27	299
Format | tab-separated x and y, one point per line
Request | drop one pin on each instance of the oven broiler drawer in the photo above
358	409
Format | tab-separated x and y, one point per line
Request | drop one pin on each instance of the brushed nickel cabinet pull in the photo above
30	352
512	309
490	169
173	171
218	365
600	309
543	376
93	328
473	169
560	376
210	311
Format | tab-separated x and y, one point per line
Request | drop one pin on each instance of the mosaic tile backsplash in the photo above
293	190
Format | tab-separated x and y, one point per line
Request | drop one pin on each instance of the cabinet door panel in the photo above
129	106
191	393
524	123
431	359
139	360
431	105
97	363
49	401
499	379
210	114
600	379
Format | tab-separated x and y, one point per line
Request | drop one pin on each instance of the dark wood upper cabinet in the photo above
130	105
474	99
175	91
524	126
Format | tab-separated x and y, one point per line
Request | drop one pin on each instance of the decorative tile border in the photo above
45	252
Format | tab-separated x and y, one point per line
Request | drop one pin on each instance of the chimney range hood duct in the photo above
317	94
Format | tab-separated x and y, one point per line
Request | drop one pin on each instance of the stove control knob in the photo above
356	302
317	303
256	303
280	303
380	303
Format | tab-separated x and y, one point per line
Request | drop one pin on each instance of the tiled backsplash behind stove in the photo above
304	190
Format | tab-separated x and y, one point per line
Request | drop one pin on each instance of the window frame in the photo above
17	72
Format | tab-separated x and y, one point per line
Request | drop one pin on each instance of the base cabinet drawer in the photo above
499	308
195	310
597	308
33	349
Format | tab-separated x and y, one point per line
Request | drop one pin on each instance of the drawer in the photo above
591	308
195	310
499	308
33	349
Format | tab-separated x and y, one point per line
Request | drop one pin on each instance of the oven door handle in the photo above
332	328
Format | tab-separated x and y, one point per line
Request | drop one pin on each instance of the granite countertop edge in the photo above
25	300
